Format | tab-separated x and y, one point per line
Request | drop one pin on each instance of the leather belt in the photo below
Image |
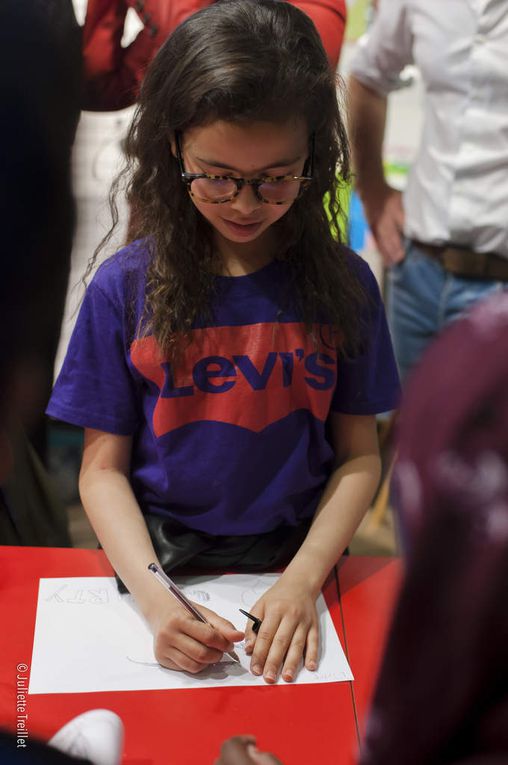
468	264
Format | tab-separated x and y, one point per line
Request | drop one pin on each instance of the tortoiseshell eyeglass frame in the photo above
304	180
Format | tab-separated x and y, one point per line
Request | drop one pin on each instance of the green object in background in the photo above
344	197
396	173
357	15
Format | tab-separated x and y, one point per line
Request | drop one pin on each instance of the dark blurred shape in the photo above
34	753
442	696
40	74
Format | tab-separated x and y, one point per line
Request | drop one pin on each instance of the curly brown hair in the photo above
238	61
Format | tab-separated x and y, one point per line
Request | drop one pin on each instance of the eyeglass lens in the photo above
221	190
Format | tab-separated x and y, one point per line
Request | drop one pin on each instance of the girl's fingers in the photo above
279	647
312	648
294	654
258	610
200	642
199	651
250	635
224	627
285	646
211	635
175	659
263	646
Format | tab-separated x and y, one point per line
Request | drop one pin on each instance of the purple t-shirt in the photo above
233	440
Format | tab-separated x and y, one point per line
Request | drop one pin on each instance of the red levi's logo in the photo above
250	376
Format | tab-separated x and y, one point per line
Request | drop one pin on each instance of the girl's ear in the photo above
172	143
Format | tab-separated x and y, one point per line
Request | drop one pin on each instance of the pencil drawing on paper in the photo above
219	671
253	593
143	663
200	596
94	596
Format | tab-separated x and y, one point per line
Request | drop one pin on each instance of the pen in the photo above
171	587
255	619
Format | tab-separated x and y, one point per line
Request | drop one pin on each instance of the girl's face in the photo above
253	150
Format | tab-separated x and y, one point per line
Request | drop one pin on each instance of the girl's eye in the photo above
221	182
213	189
280	191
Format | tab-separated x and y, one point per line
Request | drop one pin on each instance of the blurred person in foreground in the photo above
445	240
39	81
39	76
442	695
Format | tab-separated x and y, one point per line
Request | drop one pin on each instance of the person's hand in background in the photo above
385	215
242	750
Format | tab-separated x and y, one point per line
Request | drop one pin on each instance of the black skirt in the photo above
182	550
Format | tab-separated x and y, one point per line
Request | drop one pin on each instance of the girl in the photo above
227	365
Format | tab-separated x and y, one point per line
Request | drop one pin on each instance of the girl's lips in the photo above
242	228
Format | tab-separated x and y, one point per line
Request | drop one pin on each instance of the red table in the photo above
302	724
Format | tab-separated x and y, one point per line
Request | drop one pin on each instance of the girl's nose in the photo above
246	201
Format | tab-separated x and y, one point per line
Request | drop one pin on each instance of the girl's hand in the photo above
289	630
184	643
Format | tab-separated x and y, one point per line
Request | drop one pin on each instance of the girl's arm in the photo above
288	609
181	641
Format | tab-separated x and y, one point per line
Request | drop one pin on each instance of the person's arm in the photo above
382	203
379	58
288	609
113	74
181	642
105	87
329	17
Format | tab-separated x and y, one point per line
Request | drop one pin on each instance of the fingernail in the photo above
312	666
288	677
269	677
256	669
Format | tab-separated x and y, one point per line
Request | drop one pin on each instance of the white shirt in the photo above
458	186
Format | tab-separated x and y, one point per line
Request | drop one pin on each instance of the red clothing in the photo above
113	75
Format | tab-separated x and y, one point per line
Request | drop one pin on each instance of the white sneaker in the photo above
96	735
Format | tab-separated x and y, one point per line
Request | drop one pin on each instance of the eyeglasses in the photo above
218	189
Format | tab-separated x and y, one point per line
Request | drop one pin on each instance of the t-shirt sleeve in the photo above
95	388
369	382
383	52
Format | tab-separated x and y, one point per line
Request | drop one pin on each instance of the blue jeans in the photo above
422	299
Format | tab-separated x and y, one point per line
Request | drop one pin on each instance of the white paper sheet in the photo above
88	637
